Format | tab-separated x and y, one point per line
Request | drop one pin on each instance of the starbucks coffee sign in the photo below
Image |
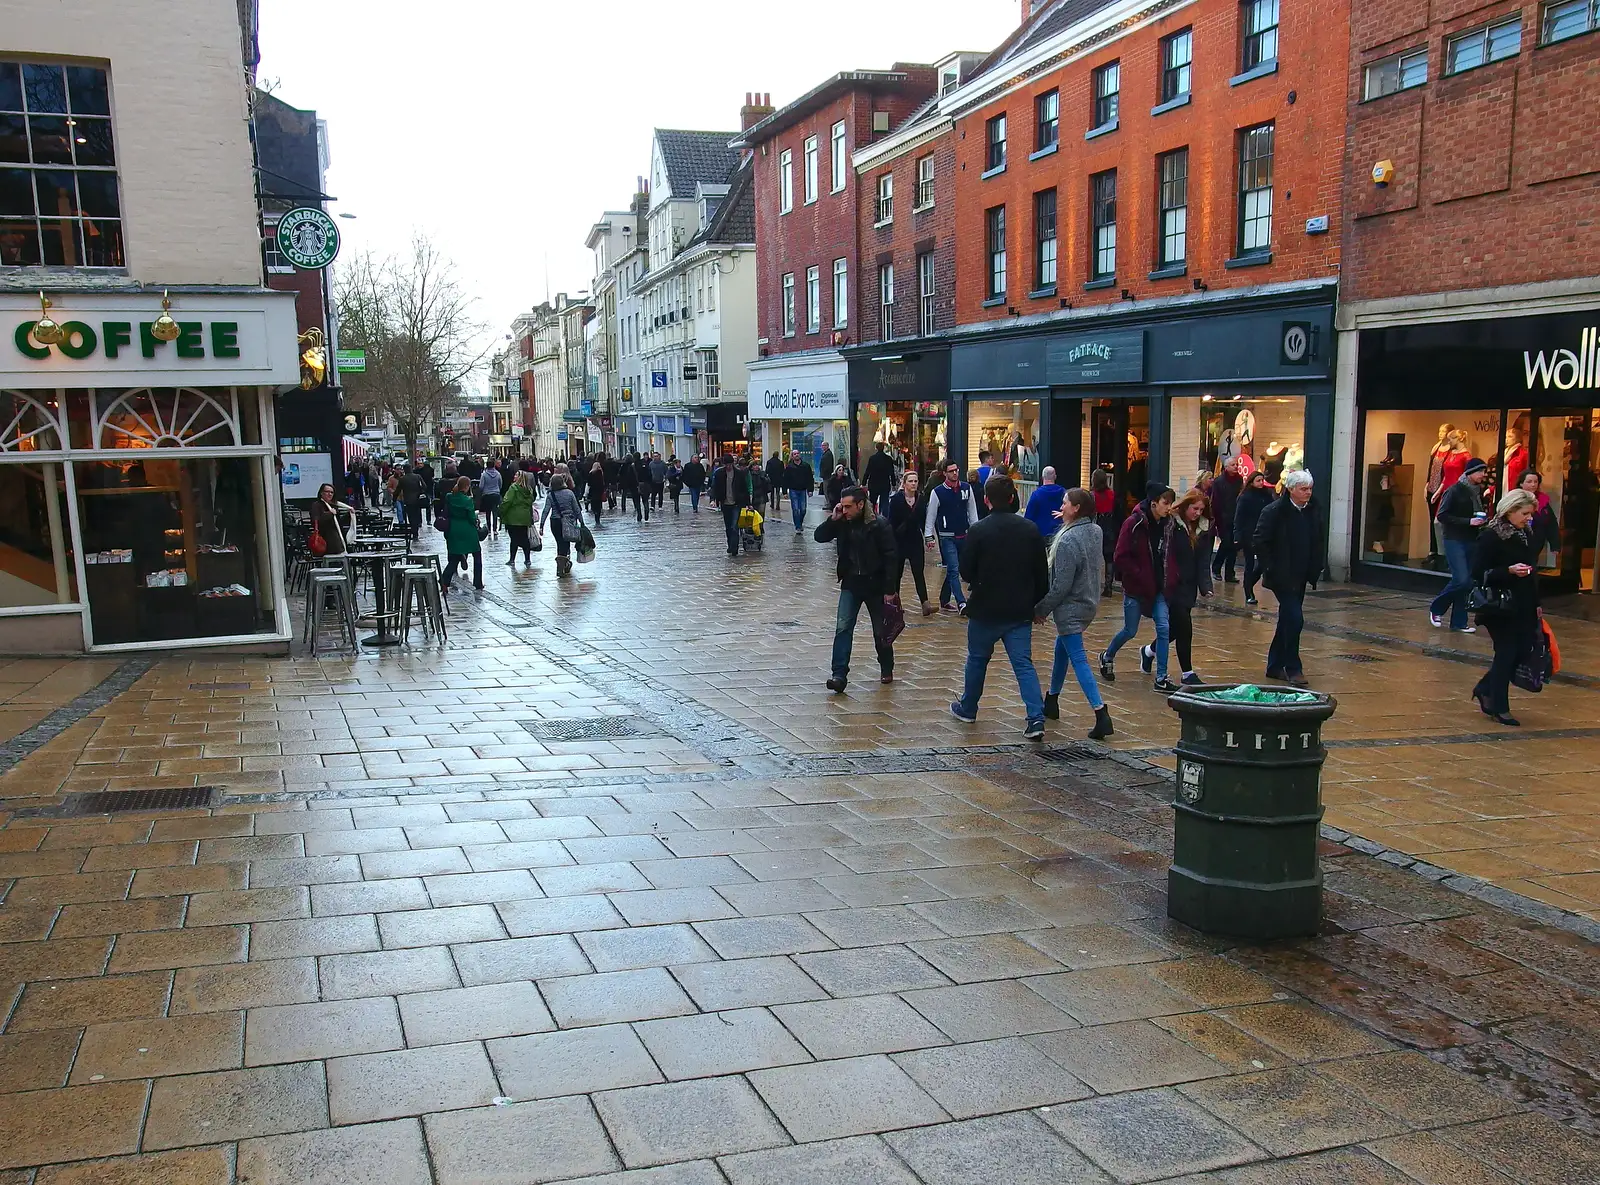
308	238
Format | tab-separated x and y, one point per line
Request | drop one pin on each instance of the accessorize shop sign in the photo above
220	341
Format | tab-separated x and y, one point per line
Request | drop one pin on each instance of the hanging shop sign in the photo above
219	341
308	238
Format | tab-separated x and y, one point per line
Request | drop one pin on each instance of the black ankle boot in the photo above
1052	707
1102	724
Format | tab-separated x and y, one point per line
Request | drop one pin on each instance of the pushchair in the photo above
751	529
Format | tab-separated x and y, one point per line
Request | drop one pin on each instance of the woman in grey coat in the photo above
1077	566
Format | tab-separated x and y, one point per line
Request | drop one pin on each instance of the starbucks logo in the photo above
308	239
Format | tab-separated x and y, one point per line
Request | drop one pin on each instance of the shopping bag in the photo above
750	520
483	527
894	619
1533	670
586	546
1550	640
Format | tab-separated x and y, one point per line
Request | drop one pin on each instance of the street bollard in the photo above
1248	807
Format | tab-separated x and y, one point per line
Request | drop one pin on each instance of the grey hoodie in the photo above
1077	568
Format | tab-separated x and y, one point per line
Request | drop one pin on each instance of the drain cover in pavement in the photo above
597	728
1356	657
112	801
1074	752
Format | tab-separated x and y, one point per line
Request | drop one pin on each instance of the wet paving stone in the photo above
1290	1111
236	1105
365	1154
1532	1079
651	1125
44	1126
532	1142
987	1077
1015	1148
1150	1134
860	1160
848	1097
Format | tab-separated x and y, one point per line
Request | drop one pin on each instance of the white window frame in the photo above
885	203
785	181
1396	66
809	156
886	301
924	192
927	284
788	304
813	299
838	160
1559	16
841	293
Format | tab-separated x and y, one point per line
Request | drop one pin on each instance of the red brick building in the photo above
1147	207
1471	280
806	201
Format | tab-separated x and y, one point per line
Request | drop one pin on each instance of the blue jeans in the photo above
694	499
730	522
1459	556
797	505
844	628
950	554
1131	613
1017	637
1069	648
1284	653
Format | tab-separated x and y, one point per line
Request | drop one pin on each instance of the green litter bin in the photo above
1248	805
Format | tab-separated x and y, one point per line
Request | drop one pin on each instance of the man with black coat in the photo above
868	570
1004	564
825	466
731	491
1225	493
411	493
694	480
1461	516
1291	547
798	479
774	479
879	476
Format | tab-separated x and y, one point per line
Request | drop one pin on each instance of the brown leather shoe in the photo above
886	677
929	608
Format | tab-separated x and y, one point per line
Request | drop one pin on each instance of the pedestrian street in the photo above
609	887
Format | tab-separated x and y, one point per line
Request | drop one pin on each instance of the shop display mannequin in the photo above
1452	461
1514	461
1272	462
1436	457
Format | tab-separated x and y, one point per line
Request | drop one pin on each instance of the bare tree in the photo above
413	320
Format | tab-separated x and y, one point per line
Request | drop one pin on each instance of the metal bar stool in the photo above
323	584
421	589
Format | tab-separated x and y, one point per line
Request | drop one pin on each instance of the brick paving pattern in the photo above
769	935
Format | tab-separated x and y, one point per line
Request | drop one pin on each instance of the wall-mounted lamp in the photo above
1199	284
45	331
165	328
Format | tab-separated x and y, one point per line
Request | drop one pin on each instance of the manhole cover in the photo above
583	730
1356	657
1074	752
110	802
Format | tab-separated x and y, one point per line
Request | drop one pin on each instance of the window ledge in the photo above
1255	259
1260	70
1048	150
922	209
1096	285
785	210
811	201
1173	272
994	172
1104	129
1044	293
1172	104
995	302
883	223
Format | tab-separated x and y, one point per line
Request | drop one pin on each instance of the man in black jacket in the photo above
1291	547
694	480
879	476
868	568
774	479
1461	517
1225	493
799	479
1004	563
411	492
731	491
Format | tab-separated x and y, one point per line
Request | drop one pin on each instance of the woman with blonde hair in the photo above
1504	562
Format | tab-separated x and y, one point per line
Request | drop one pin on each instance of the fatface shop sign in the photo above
108	340
1116	357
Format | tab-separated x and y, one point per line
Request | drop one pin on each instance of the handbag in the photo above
441	521
318	545
483	527
894	619
586	547
1534	668
1488	599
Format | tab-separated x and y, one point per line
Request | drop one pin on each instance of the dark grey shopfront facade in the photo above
1152	394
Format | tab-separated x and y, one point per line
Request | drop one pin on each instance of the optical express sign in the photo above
218	343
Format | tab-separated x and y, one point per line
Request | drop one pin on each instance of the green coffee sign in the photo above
80	340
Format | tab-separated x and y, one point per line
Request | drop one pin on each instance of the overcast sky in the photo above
505	127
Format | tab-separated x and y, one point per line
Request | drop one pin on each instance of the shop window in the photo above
36	562
1264	432
914	432
165	417
30	424
59	200
1009	431
173	547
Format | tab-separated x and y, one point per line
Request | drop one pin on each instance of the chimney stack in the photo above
1027	9
757	106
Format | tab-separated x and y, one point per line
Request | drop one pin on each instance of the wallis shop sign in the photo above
1565	370
110	340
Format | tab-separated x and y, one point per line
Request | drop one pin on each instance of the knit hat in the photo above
1474	466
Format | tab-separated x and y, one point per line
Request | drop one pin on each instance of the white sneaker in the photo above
1436	621
1467	629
